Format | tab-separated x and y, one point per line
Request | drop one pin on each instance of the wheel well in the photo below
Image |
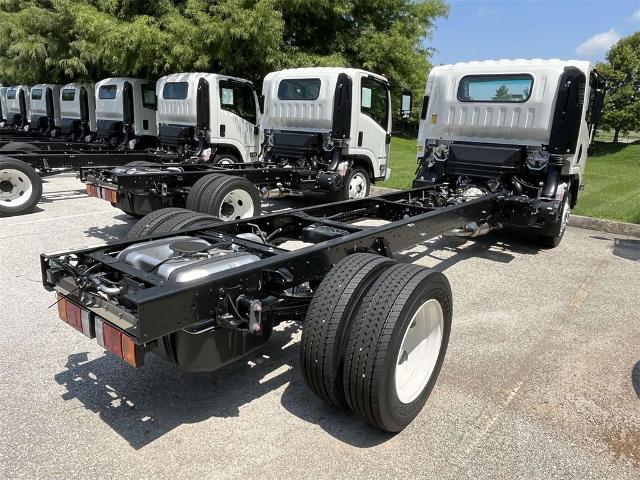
574	188
229	150
364	162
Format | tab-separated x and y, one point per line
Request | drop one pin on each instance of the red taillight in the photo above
112	339
92	191
76	316
119	343
108	194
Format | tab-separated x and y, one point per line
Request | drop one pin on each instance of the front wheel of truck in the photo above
20	187
558	229
357	184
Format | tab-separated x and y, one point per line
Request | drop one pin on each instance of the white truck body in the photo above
304	100
519	120
139	95
78	104
18	104
225	113
3	104
45	104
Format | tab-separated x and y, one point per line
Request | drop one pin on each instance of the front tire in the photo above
397	345
20	187
553	240
357	184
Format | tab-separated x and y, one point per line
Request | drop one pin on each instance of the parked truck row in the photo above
501	145
322	129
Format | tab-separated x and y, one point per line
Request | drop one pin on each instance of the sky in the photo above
565	29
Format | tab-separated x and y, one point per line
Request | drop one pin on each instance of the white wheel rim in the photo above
15	188
358	186
235	205
225	161
419	351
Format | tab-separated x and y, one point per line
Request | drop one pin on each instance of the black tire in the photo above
328	322
558	229
375	340
15	183
168	220
213	198
345	193
19	147
198	188
225	158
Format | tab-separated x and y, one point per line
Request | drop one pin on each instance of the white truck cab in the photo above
45	108
18	106
518	126
126	110
217	115
331	117
78	110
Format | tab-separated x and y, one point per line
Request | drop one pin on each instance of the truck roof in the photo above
320	72
519	63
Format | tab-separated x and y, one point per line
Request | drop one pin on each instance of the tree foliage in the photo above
621	111
64	40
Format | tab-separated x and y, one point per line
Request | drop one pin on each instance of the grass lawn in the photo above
612	183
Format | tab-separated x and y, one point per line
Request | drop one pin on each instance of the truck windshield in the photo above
299	89
495	88
36	94
68	94
107	92
175	90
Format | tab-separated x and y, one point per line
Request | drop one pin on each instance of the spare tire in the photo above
20	187
168	220
19	147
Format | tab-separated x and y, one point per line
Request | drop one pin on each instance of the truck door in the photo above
238	117
374	122
128	118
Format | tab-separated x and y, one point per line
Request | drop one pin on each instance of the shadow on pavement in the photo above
627	248
496	246
142	405
56	196
115	232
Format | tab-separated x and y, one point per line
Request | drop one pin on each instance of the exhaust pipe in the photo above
265	193
472	230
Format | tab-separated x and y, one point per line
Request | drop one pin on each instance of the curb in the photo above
578	221
609	226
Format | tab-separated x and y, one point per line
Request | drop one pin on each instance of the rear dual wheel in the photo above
375	337
224	196
168	220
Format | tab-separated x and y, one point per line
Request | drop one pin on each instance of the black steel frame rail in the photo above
164	307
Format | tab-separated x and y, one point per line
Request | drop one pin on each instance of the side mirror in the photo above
406	104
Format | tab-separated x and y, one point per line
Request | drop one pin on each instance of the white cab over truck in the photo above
335	119
78	108
126	111
215	115
18	106
522	128
46	115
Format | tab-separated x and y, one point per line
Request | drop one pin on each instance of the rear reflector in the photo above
76	316
108	194
96	327
119	343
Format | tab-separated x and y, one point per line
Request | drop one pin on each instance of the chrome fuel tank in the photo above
183	259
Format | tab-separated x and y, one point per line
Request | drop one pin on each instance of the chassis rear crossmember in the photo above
155	307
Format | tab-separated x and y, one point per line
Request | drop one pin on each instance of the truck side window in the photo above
238	98
375	101
149	99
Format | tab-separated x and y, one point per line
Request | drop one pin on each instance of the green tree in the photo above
65	40
621	111
502	93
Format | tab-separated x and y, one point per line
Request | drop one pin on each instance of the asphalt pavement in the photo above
541	379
